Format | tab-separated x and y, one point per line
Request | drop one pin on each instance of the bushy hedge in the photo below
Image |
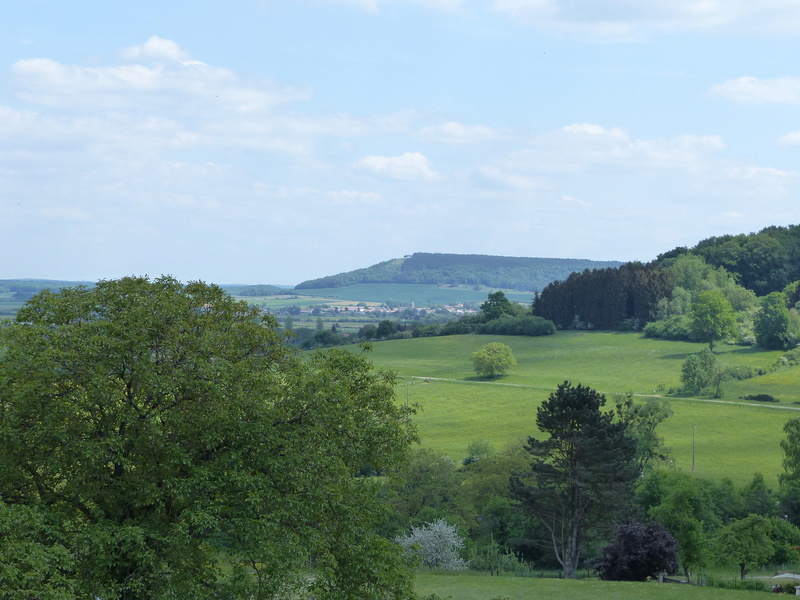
527	325
676	327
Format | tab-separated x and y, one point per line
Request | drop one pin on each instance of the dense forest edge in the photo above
658	297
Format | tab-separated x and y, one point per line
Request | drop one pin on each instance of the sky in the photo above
275	141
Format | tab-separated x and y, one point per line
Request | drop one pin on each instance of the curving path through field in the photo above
679	398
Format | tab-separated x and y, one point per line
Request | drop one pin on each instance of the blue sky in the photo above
276	141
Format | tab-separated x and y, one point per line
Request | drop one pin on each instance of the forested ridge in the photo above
661	296
506	272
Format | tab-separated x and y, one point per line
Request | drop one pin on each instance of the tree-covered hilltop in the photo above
755	280
506	272
254	290
763	262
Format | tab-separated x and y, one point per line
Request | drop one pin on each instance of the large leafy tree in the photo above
701	371
790	478
496	305
772	322
581	475
713	318
166	443
684	506
745	542
493	360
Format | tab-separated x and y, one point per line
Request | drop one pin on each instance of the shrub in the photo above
491	558
676	327
638	551
437	544
760	398
741	372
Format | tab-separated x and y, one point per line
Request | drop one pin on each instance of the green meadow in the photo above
723	438
475	586
421	294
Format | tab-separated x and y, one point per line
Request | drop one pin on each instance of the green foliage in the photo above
641	420
386	329
760	397
763	262
685	507
34	562
493	360
161	430
772	323
524	325
422	487
713	318
491	558
701	372
790	478
605	298
496	306
254	290
581	475
744	542
462	269
676	327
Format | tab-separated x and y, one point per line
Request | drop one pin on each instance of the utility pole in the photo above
693	426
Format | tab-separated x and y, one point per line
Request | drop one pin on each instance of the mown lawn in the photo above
475	586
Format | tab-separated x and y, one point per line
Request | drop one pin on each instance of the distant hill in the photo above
504	272
254	290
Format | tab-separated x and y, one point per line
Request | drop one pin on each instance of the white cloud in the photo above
790	139
586	146
511	179
156	48
751	90
410	166
455	133
374	5
625	19
185	86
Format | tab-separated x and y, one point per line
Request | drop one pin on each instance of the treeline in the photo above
516	273
22	290
763	262
625	297
497	316
756	276
254	290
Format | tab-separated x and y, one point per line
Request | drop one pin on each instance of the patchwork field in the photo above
733	438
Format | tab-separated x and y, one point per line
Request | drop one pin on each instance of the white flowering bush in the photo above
437	544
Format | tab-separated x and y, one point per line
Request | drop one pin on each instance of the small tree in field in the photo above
493	360
701	371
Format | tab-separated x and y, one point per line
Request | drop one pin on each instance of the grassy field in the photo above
733	438
421	294
473	586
